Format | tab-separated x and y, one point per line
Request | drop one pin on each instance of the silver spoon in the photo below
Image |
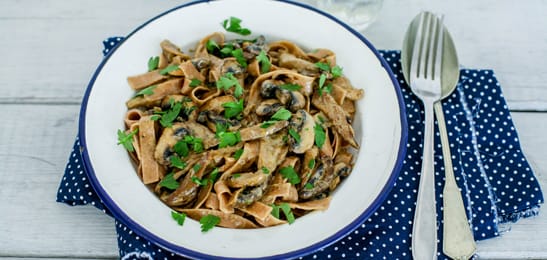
458	241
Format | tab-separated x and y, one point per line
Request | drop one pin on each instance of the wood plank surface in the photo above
65	37
50	49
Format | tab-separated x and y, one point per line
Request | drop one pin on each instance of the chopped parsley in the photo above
233	109
294	135
146	91
169	69
181	148
308	186
169	182
195	82
282	114
286	208
265	170
238	154
127	139
170	116
233	24
264	61
238	54
291	175
198	181
336	71
196	167
228	139
178	217
311	164
153	63
320	135
227	81
211	45
291	87
177	162
208	221
323	66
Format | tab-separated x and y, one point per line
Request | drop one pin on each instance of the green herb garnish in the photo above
146	91
265	170
228	139
323	66
311	164
198	181
282	114
238	154
320	135
177	162
195	82
308	186
336	71
234	25
169	182
227	81
211	46
169	69
238	54
153	63
291	87
178	217
291	175
181	148
208	221
286	208
127	139
233	109
170	116
264	61
196	167
294	135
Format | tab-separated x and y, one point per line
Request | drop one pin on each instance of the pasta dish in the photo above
241	133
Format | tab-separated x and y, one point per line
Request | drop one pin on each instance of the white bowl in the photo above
379	124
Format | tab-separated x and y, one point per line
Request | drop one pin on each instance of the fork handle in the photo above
424	228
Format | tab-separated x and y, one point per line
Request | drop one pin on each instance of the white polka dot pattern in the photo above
497	182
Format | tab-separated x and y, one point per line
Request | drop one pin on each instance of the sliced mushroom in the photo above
268	89
247	195
268	107
302	123
171	135
319	181
187	192
293	99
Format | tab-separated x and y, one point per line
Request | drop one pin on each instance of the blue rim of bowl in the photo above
125	219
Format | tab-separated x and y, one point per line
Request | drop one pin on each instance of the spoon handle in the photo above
424	228
458	241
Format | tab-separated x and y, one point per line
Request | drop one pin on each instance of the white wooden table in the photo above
50	48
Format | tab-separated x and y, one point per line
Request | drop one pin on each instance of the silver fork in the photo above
425	75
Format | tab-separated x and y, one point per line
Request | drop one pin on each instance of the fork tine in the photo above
416	48
432	50
426	46
439	49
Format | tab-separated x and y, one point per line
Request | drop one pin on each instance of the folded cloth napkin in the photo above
497	183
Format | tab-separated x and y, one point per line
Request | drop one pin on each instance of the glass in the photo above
357	13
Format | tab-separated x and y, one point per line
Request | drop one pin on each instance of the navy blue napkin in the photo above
497	183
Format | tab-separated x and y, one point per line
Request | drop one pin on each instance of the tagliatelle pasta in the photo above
251	133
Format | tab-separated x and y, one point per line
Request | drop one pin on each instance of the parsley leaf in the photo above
153	63
311	164
146	91
195	82
198	181
169	182
234	25
287	211
308	186
238	154
196	167
238	54
127	139
197	143
227	50
170	116
177	162
320	135
220	128
208	221
322	80
213	175
265	170
168	69
323	66
282	114
229	139
286	208
267	124
264	61
291	87
336	71
211	45
233	109
227	81
179	217
291	175
181	148
294	135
